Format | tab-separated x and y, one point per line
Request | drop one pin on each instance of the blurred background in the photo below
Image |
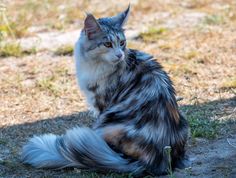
195	41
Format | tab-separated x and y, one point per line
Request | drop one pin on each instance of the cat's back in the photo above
144	80
142	62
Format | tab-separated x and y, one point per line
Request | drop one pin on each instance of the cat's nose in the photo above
119	55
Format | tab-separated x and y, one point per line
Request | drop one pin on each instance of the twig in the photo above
230	143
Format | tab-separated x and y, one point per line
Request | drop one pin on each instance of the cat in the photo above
135	105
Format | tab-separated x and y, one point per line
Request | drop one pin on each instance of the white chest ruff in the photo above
86	77
91	73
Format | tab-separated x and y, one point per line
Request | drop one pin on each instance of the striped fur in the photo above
135	105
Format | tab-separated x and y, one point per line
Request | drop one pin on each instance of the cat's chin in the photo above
114	62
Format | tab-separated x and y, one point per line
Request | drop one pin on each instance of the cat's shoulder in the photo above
145	61
139	55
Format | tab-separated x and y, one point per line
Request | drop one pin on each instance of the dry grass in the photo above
65	50
39	94
229	83
153	34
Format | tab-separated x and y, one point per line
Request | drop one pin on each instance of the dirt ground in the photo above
195	41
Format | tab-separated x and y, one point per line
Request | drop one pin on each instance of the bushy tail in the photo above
79	147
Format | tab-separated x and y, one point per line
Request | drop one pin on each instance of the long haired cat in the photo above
135	105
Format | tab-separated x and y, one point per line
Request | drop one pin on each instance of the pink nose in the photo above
119	55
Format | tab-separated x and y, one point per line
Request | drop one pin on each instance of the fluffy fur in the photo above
135	105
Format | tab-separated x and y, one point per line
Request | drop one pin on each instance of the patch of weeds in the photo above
62	71
229	83
65	50
213	20
205	128
14	49
153	34
14	28
48	84
200	122
10	49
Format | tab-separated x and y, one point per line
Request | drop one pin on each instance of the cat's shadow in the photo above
58	125
16	136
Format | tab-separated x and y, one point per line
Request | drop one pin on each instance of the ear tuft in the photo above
120	19
91	26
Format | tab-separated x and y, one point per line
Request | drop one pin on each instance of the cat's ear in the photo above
91	27
120	19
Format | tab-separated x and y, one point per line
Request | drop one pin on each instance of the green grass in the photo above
10	49
201	127
200	122
213	20
14	49
48	84
65	50
154	34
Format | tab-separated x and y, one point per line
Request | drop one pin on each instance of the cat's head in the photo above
104	39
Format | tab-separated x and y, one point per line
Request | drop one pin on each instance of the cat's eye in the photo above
108	44
122	43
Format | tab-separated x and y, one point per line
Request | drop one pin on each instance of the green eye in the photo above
122	42
108	44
